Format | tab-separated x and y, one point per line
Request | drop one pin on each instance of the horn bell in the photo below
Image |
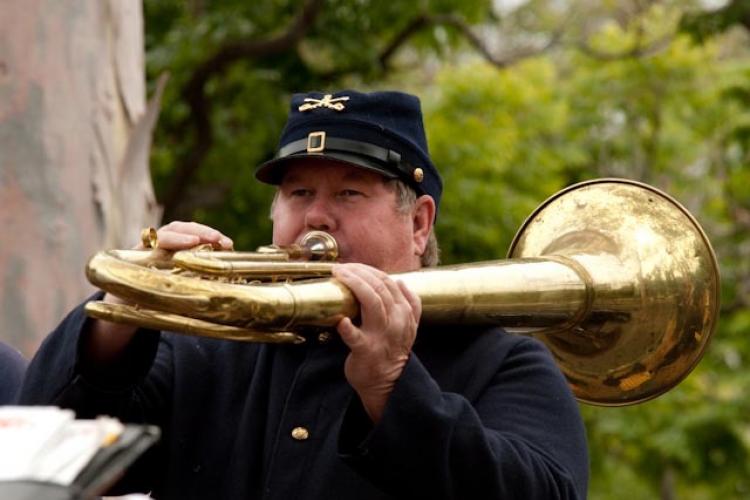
652	287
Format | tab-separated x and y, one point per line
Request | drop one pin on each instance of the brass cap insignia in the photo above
328	101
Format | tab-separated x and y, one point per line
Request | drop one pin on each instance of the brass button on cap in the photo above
300	433
418	174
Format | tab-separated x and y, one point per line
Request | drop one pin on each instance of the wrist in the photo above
374	406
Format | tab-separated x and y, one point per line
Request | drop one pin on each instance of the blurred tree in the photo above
705	24
233	66
74	146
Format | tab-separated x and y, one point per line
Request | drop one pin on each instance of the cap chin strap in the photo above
318	143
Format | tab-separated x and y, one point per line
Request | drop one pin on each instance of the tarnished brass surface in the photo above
119	313
310	258
219	264
614	276
654	282
149	238
269	306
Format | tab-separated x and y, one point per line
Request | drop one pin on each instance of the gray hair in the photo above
406	198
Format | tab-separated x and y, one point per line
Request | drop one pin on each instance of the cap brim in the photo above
272	171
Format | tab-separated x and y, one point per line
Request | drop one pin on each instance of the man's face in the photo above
355	206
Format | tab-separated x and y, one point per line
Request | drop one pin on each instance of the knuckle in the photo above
380	288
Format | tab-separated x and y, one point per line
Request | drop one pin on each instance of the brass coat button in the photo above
324	337
300	433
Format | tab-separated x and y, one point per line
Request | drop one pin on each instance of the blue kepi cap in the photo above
378	131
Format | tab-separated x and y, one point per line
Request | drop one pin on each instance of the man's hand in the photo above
381	344
107	340
179	235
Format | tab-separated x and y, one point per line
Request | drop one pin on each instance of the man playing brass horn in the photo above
384	409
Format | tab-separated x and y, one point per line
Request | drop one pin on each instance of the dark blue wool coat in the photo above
476	414
12	367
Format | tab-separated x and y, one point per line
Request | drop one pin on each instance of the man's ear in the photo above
422	219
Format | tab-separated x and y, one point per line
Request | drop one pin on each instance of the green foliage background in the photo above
554	93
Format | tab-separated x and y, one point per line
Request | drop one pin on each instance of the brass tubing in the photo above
496	292
204	299
158	320
215	265
536	293
614	276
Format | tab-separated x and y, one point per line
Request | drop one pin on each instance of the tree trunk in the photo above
74	139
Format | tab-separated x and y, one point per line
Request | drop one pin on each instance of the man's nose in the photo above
320	216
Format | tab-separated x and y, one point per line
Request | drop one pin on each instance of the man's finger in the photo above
169	240
350	334
179	235
414	301
368	293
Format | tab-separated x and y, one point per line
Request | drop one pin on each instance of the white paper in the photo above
48	444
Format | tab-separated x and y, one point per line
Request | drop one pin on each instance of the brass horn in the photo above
614	276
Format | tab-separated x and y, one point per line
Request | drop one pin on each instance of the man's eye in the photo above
347	193
300	192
